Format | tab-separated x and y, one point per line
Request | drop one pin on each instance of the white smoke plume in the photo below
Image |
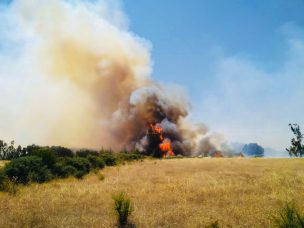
73	74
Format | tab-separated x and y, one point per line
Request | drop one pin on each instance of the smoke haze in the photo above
72	74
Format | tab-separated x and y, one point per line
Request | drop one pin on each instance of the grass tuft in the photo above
123	208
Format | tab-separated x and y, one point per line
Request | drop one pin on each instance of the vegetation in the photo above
41	164
289	217
192	192
8	151
27	169
297	148
123	209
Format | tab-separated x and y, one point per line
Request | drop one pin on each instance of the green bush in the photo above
96	162
46	154
29	149
26	169
123	209
109	158
62	170
62	151
86	152
82	165
127	156
289	217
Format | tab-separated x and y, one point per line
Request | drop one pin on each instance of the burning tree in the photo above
158	145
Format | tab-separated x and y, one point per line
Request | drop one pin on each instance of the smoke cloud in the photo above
73	74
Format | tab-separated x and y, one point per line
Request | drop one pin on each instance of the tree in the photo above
8	151
297	148
253	150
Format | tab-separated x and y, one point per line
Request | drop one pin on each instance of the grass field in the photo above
190	192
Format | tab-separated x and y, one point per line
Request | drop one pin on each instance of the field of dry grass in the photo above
189	192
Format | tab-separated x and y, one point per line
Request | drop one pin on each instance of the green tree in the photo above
297	148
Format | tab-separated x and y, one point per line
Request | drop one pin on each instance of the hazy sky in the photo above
242	62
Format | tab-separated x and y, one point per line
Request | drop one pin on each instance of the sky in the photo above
242	62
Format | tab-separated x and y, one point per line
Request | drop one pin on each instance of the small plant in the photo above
100	176
214	225
6	185
289	217
123	209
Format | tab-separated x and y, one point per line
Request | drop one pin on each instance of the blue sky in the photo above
240	61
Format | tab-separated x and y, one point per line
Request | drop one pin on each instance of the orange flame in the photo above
166	148
165	145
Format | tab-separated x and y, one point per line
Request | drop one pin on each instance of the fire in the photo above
166	148
164	143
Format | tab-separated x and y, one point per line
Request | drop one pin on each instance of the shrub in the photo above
62	170
62	151
96	162
82	165
29	149
109	158
127	156
46	154
100	176
289	217
86	152
26	169
79	174
213	225
9	186
123	209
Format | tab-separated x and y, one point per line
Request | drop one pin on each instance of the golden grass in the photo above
3	162
165	193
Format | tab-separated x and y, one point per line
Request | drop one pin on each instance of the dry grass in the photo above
168	193
3	162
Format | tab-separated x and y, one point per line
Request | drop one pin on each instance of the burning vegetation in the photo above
159	146
98	90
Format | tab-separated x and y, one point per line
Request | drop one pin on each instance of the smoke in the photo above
73	74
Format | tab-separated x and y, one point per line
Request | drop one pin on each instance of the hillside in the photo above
190	192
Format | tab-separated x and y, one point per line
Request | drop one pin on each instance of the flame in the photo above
166	148
165	145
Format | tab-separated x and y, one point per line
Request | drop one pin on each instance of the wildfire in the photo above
165	143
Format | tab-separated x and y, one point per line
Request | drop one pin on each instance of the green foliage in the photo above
86	153
289	217
297	148
26	169
8	185
123	209
46	154
109	158
82	165
8	151
40	164
96	162
60	169
128	156
27	151
62	151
